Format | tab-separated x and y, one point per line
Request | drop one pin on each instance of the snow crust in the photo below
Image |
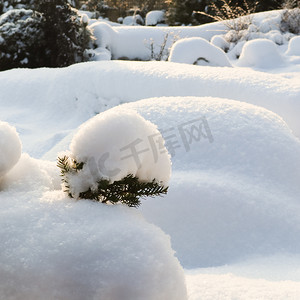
198	51
113	145
10	147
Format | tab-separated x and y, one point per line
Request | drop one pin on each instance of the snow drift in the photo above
57	248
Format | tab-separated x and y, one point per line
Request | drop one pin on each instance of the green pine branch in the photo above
128	190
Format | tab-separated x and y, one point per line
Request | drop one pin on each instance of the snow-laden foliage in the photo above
116	157
52	35
10	147
22	39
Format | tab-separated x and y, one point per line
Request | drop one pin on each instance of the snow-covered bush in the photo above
15	4
198	51
116	157
66	36
155	17
51	35
10	147
133	20
294	46
290	20
22	39
260	53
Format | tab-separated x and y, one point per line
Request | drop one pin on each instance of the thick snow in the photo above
232	211
198	51
57	248
10	147
113	145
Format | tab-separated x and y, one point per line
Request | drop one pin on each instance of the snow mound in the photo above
260	53
154	17
57	248
10	147
235	183
113	145
198	51
219	41
133	20
294	46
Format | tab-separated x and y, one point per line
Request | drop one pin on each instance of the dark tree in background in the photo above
65	38
45	33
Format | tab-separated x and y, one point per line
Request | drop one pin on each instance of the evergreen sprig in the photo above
128	190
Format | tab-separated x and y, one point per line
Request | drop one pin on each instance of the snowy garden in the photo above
205	118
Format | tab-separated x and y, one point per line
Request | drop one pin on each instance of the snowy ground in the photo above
232	211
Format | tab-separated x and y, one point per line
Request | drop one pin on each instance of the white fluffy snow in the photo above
113	145
198	51
10	147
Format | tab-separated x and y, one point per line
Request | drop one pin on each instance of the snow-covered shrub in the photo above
290	20
237	17
99	7
51	35
155	17
66	36
116	157
10	147
15	4
261	53
198	51
294	46
134	20
22	39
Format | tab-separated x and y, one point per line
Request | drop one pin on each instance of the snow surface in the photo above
232	211
10	148
108	152
247	158
198	51
57	248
